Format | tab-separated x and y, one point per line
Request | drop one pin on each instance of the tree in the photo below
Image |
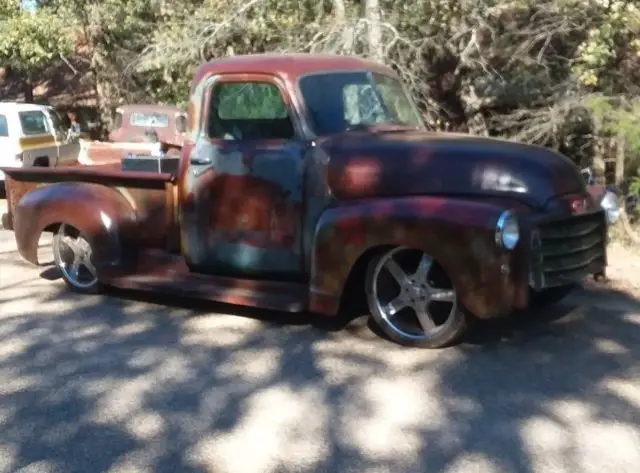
30	41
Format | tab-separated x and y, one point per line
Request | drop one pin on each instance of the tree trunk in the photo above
27	90
599	151
339	11
620	159
374	31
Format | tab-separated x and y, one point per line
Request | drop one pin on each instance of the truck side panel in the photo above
135	211
459	234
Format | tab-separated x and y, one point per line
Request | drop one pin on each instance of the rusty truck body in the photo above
305	180
138	129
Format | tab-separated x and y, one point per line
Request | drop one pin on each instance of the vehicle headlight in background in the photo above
609	203
507	230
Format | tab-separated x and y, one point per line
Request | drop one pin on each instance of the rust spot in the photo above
256	211
360	175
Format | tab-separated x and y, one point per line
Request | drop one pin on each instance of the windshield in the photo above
337	102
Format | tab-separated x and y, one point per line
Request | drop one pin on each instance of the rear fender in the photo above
99	212
459	234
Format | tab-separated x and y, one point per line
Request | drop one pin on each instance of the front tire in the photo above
73	256
412	299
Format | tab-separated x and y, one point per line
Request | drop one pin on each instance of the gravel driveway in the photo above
122	383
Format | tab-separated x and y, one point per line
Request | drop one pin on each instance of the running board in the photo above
165	273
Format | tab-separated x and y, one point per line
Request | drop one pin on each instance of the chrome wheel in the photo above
413	300
73	256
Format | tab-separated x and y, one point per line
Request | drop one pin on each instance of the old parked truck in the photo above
138	129
307	180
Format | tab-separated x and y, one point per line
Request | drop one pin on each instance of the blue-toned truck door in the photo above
243	213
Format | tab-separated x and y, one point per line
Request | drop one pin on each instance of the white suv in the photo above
34	135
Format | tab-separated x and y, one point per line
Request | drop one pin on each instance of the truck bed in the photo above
152	195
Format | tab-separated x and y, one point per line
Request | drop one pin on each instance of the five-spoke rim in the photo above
413	294
73	254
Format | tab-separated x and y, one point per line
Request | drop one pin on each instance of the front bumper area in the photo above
568	250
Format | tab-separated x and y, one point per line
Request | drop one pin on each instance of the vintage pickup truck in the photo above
309	180
130	134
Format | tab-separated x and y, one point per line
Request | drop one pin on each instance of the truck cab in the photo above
308	180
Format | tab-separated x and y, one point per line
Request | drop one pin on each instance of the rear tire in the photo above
412	299
73	256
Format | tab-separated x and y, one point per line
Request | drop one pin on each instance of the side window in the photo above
362	105
181	124
117	121
248	111
4	126
34	122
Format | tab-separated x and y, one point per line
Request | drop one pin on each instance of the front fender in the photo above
96	210
458	233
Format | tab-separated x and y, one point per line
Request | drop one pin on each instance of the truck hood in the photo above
401	162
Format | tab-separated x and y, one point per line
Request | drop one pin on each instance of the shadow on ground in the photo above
98	384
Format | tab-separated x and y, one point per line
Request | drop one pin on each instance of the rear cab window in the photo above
34	122
151	120
4	127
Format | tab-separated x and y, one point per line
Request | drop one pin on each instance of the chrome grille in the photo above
566	251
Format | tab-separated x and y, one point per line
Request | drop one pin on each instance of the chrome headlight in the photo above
609	203
507	230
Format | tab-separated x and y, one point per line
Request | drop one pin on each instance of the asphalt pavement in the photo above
130	382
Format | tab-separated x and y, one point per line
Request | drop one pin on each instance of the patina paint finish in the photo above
154	208
120	211
97	210
290	219
98	153
387	164
243	210
128	132
433	224
243	200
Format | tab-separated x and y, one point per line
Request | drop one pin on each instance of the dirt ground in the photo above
623	271
133	383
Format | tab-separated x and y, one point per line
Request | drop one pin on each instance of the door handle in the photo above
199	161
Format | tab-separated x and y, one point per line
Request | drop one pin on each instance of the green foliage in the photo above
532	70
607	41
249	101
634	186
618	117
9	8
31	41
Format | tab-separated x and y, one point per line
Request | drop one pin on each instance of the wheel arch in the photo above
95	210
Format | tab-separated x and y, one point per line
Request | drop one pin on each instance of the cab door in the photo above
243	212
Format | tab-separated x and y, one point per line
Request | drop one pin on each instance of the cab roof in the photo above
289	65
8	107
148	108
